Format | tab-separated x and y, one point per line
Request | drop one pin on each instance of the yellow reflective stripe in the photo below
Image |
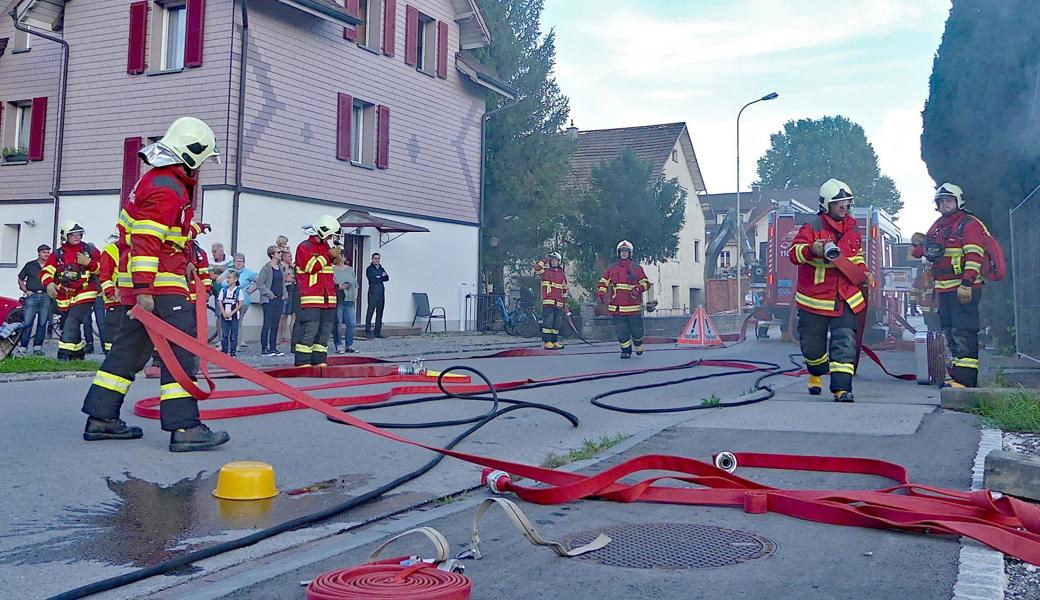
819	262
625	309
62	303
820	275
149	264
624	286
970	363
953	252
974	248
813	302
303	348
838	367
312	298
171	280
544	330
644	281
971	264
106	284
177	241
152	228
855	300
172	391
82	296
49	269
125	219
319	348
72	347
626	343
124	280
818	361
327	270
857	260
947	284
112	382
107	346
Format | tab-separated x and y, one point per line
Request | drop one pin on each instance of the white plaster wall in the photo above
97	214
28	239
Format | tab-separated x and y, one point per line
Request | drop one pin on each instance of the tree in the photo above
810	151
527	157
622	201
980	122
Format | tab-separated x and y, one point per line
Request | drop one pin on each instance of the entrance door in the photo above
353	250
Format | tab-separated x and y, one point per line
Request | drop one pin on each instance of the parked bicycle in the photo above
522	320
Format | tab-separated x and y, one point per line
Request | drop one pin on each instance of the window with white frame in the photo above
675	296
22	41
17	126
426	53
363	133
369	35
9	244
168	34
675	155
724	260
696	251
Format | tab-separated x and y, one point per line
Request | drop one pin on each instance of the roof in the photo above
483	75
651	143
358	219
473	30
751	200
48	15
329	10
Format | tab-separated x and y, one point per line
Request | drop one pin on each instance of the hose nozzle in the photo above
726	461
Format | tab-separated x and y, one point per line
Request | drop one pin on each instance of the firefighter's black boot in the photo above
109	429
626	353
843	396
196	438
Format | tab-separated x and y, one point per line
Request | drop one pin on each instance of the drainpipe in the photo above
240	126
483	167
60	140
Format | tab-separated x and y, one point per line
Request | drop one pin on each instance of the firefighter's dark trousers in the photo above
311	334
840	360
130	352
960	326
552	321
113	317
72	346
629	329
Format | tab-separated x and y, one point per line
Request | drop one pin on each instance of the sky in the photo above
625	63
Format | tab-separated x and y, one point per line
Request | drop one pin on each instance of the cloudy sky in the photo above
625	63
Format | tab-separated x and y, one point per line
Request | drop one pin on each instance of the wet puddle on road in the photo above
149	523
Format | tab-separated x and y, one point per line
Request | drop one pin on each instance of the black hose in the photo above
204	553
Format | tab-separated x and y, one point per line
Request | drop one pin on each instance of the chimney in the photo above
572	131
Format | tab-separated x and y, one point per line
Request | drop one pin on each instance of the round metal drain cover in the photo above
673	546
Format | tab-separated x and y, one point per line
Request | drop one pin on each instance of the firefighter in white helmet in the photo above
153	228
316	314
829	254
626	283
550	271
70	276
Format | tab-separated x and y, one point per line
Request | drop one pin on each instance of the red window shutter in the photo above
344	113
411	35
350	32
37	128
442	49
194	28
131	167
390	27
135	54
383	140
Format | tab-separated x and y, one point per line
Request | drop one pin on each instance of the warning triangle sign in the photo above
700	331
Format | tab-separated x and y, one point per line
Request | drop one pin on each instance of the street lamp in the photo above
740	222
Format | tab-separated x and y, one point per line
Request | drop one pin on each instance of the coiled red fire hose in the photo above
389	580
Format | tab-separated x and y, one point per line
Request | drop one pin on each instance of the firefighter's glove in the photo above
205	227
336	252
636	294
83	258
917	239
871	282
964	294
52	290
189	272
817	248
145	302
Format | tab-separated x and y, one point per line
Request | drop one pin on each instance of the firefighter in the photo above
154	227
70	277
626	282
554	298
108	275
955	247
198	262
314	276
829	294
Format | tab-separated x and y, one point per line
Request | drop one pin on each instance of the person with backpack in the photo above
70	277
626	283
961	251
230	303
831	270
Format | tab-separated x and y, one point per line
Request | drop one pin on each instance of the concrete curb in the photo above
968	398
1013	473
980	574
22	377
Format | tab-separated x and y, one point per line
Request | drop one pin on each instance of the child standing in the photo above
230	306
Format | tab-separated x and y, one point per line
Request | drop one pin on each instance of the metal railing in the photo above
1025	269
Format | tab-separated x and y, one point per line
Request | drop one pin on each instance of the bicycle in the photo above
521	321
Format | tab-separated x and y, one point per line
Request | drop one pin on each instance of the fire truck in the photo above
880	236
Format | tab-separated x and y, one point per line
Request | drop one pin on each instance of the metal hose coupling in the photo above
416	367
495	480
726	461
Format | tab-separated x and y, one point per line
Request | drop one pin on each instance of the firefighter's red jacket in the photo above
81	290
626	282
554	284
154	227
822	288
107	273
314	274
962	258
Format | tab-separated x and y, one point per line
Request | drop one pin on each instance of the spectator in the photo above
292	298
246	280
219	262
283	244
346	294
376	275
271	284
230	301
37	302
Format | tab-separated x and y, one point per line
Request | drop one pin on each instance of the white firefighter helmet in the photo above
832	191
949	190
70	226
326	227
556	255
623	245
188	141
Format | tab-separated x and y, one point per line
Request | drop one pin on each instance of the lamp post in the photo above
740	222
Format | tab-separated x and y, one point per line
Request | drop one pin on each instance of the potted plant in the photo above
15	154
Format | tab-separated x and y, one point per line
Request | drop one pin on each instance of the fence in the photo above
1025	266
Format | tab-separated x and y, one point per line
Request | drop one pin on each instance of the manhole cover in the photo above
673	546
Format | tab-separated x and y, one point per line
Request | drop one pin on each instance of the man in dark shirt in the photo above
37	303
376	275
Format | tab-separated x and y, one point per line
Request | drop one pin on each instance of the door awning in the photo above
328	10
360	219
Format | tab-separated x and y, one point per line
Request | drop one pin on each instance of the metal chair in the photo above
423	311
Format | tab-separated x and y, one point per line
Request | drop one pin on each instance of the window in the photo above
675	296
9	245
696	251
363	133
724	261
22	41
427	45
675	155
371	12
168	34
18	126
